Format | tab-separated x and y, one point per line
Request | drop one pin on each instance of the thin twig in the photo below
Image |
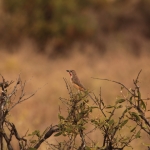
115	82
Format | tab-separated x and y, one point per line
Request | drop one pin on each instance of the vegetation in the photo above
77	123
63	22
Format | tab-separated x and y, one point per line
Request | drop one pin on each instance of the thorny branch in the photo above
79	110
138	104
7	102
115	82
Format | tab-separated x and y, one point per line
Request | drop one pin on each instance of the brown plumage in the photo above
75	80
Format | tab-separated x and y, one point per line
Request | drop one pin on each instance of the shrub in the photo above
75	127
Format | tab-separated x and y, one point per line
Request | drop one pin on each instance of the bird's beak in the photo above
69	72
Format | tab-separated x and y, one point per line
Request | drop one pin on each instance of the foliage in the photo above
78	122
8	130
79	118
42	20
65	21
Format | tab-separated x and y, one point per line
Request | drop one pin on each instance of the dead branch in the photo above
52	130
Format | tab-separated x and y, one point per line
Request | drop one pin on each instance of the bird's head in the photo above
71	72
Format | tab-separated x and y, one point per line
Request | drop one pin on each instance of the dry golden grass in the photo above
40	71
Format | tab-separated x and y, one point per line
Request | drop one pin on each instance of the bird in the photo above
75	80
77	84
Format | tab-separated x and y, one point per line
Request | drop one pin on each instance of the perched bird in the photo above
75	80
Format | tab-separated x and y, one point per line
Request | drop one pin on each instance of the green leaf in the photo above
120	106
124	139
68	130
146	144
36	132
94	107
33	141
80	127
110	122
58	134
61	117
120	101
138	134
130	99
87	148
127	109
30	135
133	129
109	106
135	115
142	104
123	123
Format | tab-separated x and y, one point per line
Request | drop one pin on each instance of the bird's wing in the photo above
77	81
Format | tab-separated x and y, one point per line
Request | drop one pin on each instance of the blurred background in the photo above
98	38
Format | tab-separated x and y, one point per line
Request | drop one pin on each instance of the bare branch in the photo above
115	82
52	130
